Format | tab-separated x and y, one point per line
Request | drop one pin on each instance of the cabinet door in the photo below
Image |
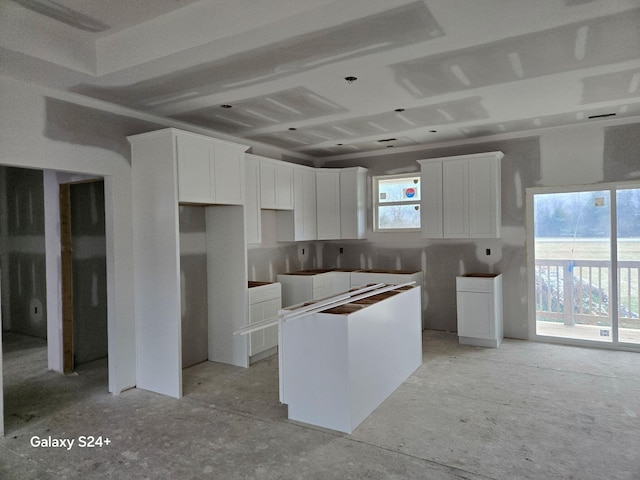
484	200
476	315
276	185
455	199
228	174
308	195
353	207
266	338
267	184
256	339
271	309
431	204
195	175
328	204
284	186
253	224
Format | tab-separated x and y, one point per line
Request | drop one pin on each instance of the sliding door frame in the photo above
613	188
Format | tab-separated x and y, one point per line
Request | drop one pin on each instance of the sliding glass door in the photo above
585	264
628	260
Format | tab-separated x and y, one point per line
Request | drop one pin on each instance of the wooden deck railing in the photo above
584	285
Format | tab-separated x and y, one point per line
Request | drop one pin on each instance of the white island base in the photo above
338	365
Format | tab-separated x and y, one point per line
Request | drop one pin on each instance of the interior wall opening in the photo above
30	389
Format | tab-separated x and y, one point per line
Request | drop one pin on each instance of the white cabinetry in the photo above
353	202
390	277
300	223
341	204
298	287
264	303
253	224
156	247
276	184
461	196
328	203
305	285
479	303
210	171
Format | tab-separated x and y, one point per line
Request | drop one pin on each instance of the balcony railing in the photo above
578	291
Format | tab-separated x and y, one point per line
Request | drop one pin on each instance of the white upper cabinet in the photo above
209	171
461	196
485	212
455	198
276	184
431	205
252	217
299	224
353	202
342	203
328	203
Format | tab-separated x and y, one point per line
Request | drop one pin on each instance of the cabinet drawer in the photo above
476	284
263	293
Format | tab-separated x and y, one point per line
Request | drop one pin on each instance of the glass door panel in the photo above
628	234
572	249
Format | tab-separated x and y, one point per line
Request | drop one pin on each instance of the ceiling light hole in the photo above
350	79
399	110
225	106
433	131
292	128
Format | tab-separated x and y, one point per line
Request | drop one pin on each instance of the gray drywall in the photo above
89	264
193	284
22	252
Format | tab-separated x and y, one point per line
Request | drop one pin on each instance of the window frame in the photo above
376	204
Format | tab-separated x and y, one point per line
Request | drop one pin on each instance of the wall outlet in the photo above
341	250
488	251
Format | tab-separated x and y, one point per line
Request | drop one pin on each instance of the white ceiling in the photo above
458	69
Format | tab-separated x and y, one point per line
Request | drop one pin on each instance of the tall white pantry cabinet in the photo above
170	167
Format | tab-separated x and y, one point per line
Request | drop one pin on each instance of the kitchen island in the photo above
337	365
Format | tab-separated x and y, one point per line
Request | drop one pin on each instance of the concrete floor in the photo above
525	410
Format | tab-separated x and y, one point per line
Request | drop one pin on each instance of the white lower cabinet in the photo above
264	303
479	304
298	287
305	285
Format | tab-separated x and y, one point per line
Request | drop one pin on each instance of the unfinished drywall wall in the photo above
22	252
193	284
89	263
24	120
267	260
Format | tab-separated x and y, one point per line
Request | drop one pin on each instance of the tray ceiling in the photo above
274	71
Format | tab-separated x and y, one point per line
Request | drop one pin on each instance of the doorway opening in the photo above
584	263
84	277
30	319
